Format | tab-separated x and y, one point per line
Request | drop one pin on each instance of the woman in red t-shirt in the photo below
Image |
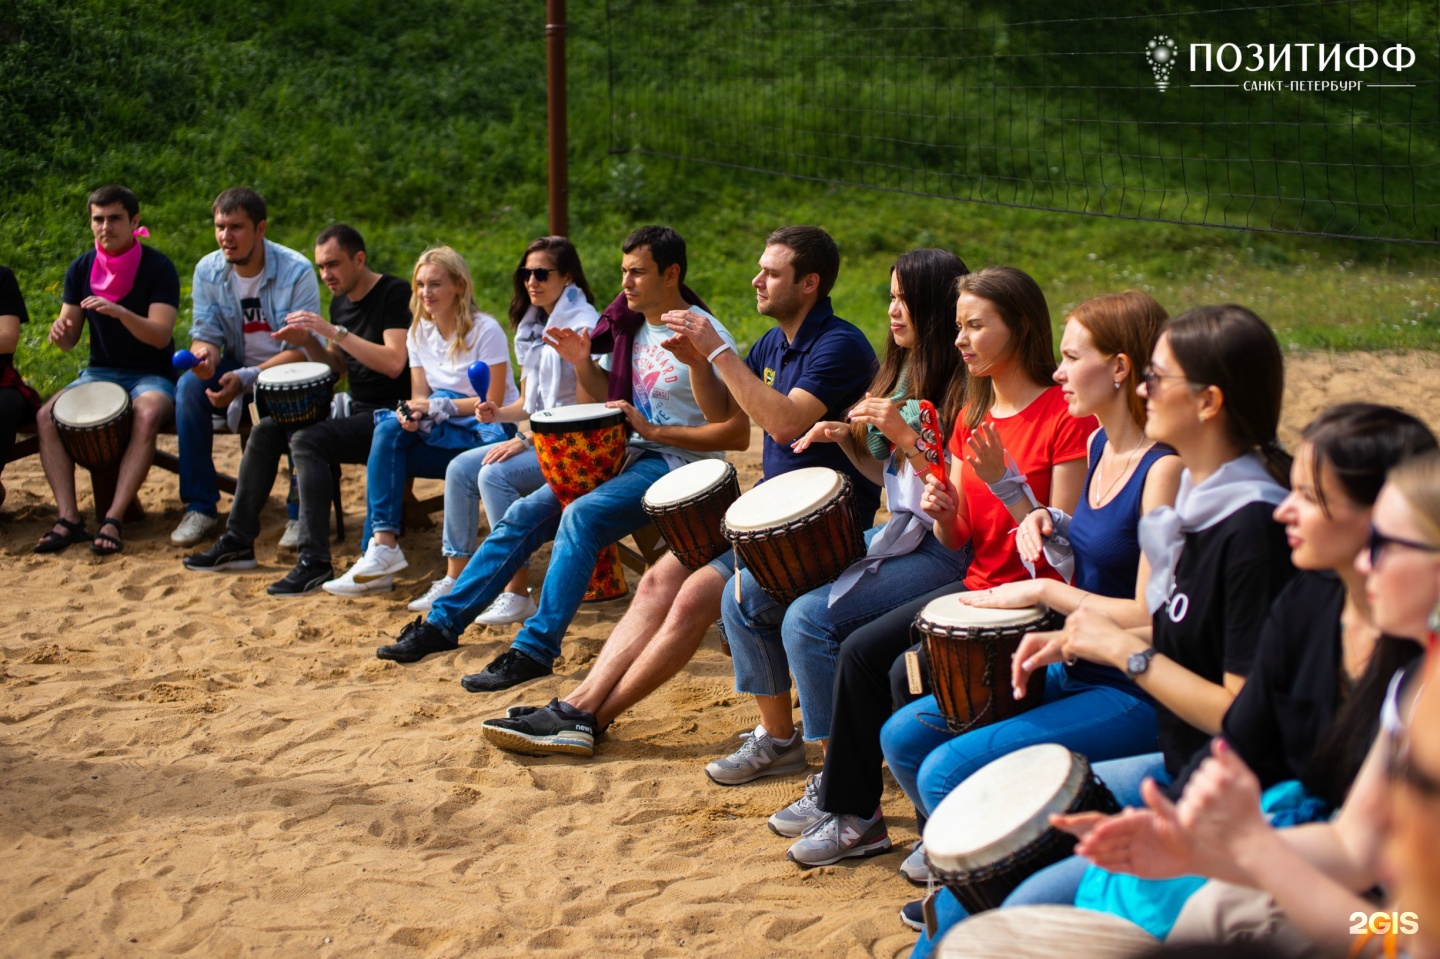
1011	407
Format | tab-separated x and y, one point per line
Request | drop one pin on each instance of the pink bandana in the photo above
113	276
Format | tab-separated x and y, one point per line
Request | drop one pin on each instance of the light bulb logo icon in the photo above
1161	54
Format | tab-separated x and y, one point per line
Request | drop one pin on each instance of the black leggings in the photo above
15	412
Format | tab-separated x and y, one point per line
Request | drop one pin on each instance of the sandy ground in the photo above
193	768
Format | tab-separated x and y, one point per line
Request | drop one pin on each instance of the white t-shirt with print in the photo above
662	391
430	352
255	326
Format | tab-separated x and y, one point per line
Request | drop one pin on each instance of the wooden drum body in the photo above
296	395
94	421
993	831
967	654
796	532
580	447
688	506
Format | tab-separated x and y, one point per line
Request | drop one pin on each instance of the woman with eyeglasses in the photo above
1316	874
1217	559
550	292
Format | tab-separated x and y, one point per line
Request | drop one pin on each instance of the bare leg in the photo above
777	715
59	468
151	410
653	599
455	565
520	582
384	538
695	608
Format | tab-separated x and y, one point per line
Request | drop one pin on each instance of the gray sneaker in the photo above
915	868
760	756
801	814
841	836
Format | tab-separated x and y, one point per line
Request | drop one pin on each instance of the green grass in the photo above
424	123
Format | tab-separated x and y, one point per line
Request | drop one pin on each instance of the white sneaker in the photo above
373	573
290	539
192	528
438	589
508	608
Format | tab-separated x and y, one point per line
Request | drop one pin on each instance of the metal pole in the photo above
555	108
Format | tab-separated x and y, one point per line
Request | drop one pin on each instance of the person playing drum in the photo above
1093	710
242	293
1217	559
671	429
365	341
440	421
550	292
811	364
18	402
128	293
881	437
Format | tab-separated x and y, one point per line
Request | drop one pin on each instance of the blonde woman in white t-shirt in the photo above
447	334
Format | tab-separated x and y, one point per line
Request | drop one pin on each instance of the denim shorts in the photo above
724	564
133	381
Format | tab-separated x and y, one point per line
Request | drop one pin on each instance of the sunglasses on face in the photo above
1151	377
540	273
1378	542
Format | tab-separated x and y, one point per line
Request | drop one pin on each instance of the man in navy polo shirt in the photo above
811	366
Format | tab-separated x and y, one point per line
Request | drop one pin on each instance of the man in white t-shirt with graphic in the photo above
241	293
670	430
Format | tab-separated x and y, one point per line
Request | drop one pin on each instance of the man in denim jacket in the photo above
242	293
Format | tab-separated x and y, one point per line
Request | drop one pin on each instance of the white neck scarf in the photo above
549	380
1233	486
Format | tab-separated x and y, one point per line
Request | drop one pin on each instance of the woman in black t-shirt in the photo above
18	402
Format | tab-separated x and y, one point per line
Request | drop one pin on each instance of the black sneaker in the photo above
306	577
510	668
417	640
227	552
558	728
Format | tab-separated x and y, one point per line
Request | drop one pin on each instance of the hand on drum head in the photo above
1150	842
572	345
987	453
1034	530
1006	596
825	431
1036	651
230	387
694	327
638	422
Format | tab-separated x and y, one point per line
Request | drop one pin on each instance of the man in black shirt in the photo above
18	402
128	294
365	339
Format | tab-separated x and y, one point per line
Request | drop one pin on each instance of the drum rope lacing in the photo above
990	636
788	595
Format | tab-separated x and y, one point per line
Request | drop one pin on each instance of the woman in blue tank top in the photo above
1091	709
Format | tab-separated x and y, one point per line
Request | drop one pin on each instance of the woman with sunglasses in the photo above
1091	709
1009	406
769	641
550	292
1315	873
1217	559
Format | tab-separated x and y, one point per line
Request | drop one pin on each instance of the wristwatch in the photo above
1138	663
340	334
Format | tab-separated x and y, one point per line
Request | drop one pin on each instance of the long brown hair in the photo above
932	366
1127	323
1232	349
1022	307
567	260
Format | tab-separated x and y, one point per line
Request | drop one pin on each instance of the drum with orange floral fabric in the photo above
579	448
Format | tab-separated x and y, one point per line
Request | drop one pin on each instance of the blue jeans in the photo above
1056	885
196	434
397	454
1099	722
134	381
589	524
468	483
770	640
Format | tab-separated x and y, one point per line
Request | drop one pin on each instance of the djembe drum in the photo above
687	506
580	447
1042	932
93	421
296	395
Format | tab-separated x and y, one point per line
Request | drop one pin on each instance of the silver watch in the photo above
1138	663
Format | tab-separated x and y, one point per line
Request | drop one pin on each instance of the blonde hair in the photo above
465	309
1418	480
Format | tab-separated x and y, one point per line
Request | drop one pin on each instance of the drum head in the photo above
688	481
580	416
90	404
294	374
784	499
1040	932
1003	807
949	612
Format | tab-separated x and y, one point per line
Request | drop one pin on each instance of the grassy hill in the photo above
424	123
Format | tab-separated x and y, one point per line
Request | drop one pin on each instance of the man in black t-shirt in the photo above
128	295
369	317
18	402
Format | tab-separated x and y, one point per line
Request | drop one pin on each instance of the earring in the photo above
1434	622
1117	386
